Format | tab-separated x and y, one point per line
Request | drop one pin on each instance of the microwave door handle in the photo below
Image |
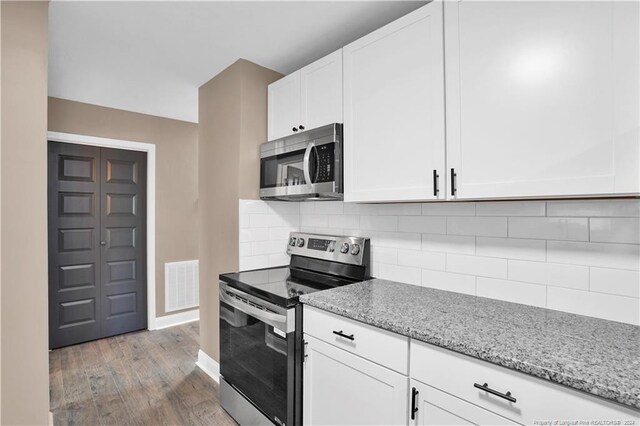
306	162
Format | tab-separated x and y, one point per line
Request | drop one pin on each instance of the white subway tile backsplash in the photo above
382	209
615	230
555	274
307	207
548	228
278	259
512	291
511	208
481	226
607	306
268	247
403	274
449	281
248	263
449	209
329	207
615	281
245	249
422	259
423	224
254	234
384	255
379	223
594	208
401	240
314	220
477	265
291	220
264	220
622	256
284	208
582	257
253	207
511	248
449	243
344	221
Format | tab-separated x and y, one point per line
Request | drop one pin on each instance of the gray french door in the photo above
97	242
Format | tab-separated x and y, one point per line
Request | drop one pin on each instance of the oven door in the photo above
255	342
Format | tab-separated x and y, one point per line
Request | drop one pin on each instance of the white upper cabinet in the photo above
542	98
284	106
394	110
308	98
321	91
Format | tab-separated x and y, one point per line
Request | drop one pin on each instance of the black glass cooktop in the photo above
283	285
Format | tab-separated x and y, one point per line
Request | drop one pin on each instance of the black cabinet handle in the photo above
414	404
346	336
295	129
301	127
485	387
453	182
436	190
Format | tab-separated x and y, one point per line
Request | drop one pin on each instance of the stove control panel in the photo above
352	250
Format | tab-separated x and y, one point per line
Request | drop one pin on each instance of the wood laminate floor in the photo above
141	378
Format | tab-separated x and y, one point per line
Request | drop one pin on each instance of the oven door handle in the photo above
276	320
306	163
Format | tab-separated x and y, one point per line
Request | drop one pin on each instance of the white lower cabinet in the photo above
430	406
341	388
506	393
357	374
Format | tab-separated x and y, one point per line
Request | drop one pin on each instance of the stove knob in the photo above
355	249
300	242
292	241
332	246
344	248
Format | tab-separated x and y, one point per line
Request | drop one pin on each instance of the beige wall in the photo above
24	328
232	125
176	171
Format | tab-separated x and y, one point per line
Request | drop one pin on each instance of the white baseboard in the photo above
175	319
209	365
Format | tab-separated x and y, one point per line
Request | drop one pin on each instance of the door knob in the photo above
103	243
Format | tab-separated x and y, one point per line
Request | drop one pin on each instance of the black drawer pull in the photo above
485	387
414	405
346	336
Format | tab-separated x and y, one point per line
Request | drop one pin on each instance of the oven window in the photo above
253	358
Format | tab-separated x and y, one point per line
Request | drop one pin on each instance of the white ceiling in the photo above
151	57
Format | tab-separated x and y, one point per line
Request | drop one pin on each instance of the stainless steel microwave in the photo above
304	166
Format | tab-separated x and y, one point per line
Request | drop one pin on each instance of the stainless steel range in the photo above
261	325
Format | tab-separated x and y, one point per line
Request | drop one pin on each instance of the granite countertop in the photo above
593	355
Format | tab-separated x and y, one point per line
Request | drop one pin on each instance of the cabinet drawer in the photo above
380	346
536	399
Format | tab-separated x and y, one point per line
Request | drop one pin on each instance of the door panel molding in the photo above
150	149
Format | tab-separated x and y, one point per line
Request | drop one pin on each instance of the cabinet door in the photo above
344	389
321	84
438	408
284	106
394	110
542	98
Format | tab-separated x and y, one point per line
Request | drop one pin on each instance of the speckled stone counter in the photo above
593	355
